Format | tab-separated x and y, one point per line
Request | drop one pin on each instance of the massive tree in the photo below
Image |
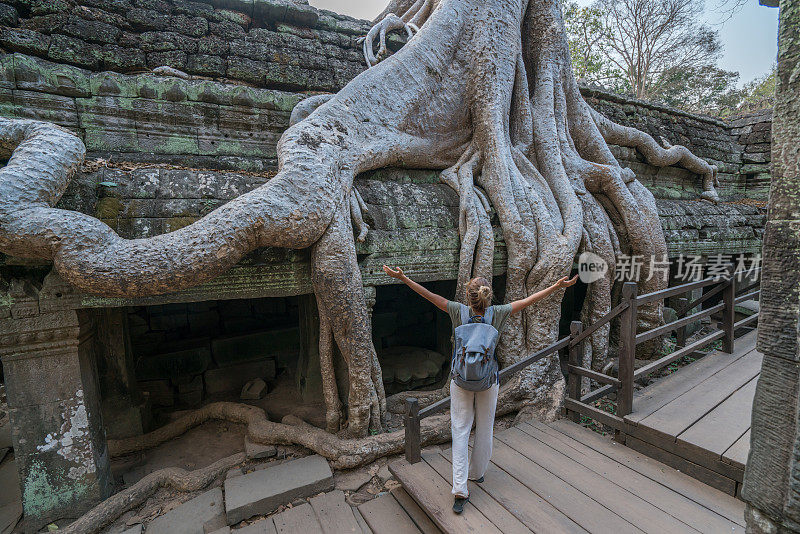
484	91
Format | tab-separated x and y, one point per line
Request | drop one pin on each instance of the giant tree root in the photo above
129	498
342	453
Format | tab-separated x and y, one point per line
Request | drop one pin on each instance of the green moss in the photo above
176	223
41	494
51	77
108	208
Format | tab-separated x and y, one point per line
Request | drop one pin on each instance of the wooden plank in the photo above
297	519
720	428
586	512
619	499
656	493
432	493
384	514
417	514
678	354
657	395
701	473
680	450
334	514
736	455
525	505
363	524
684	484
480	496
673	418
601	416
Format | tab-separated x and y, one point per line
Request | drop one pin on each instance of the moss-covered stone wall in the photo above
163	150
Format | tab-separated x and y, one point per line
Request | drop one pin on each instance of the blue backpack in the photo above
474	365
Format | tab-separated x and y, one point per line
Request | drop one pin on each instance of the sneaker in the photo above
458	504
479	480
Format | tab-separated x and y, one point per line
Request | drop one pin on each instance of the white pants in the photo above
465	406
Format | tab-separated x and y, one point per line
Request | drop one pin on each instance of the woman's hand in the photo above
565	282
397	272
437	300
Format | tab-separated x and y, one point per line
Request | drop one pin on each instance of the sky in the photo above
749	37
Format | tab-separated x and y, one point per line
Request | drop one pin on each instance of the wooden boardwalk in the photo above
561	477
698	419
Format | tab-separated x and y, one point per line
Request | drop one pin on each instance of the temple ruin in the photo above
164	149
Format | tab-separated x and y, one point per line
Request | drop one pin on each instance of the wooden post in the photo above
627	350
728	314
574	380
680	333
411	423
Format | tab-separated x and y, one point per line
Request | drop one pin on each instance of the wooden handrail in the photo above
747	296
594	375
535	357
619	308
696	302
676	290
669	327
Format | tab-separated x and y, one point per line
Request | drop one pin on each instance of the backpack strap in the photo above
488	315
464	313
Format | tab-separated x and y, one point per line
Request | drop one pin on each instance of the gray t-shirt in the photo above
501	313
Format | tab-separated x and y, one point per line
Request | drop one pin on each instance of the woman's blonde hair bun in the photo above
479	294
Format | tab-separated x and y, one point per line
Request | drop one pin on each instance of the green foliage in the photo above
760	93
707	89
657	50
584	28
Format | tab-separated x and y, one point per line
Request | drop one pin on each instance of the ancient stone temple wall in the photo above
162	151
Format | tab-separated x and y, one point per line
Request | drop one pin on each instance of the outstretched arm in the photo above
437	300
519	305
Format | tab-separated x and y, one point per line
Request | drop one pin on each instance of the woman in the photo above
466	405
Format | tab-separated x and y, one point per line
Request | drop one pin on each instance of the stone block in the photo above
160	392
206	65
254	390
43	76
203	514
65	49
265	526
122	59
233	378
258	451
8	15
147	19
10	498
261	492
174	365
25	41
352	480
248	347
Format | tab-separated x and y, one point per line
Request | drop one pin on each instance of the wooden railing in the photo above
577	404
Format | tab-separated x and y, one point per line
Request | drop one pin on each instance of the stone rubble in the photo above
262	492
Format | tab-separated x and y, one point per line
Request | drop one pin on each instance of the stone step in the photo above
261	492
233	378
205	513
